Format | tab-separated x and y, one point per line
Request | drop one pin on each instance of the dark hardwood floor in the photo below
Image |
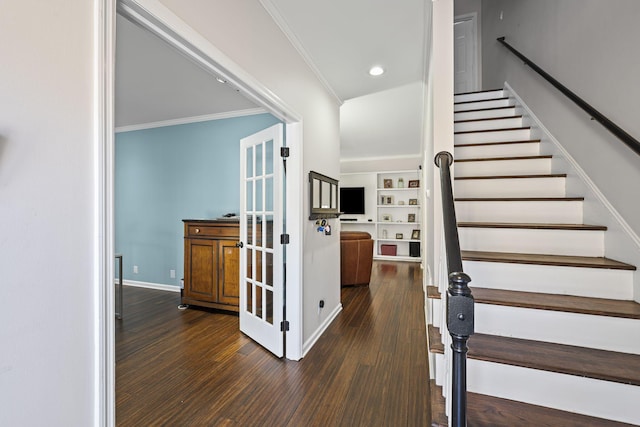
194	367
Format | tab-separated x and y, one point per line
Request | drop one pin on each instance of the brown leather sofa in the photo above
356	258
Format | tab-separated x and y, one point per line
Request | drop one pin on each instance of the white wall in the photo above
245	32
462	7
589	46
47	239
440	117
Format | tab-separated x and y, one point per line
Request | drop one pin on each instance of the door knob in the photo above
239	245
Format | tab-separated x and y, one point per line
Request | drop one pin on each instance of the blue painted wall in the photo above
164	175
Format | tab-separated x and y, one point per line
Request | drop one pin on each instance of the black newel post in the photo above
460	301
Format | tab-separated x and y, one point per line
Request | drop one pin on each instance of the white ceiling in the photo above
154	82
381	116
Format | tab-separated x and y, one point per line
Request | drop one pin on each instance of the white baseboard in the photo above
321	329
149	285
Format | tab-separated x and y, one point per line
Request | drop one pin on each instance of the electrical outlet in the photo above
172	274
135	269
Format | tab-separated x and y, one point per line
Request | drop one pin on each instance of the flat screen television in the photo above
352	200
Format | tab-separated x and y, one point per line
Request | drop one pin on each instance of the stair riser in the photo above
565	212
578	281
481	105
484	114
492	136
532	241
510	187
584	330
506	150
504	123
602	399
503	167
466	97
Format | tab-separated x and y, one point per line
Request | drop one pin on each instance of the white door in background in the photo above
261	224
465	63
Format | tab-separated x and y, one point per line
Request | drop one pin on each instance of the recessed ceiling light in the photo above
221	80
376	70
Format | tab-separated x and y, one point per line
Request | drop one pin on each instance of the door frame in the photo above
156	18
477	51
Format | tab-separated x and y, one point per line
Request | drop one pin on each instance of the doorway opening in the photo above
173	31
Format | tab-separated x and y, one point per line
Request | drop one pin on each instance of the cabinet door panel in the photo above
229	273
203	270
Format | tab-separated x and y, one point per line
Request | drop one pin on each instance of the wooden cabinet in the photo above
211	264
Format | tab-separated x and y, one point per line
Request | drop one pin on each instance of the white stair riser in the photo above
596	398
502	123
435	305
503	167
577	281
477	96
546	212
559	327
485	114
481	105
533	241
498	150
492	136
510	187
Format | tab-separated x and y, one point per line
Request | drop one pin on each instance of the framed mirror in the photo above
323	196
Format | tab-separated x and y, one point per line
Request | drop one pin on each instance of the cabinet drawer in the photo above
199	230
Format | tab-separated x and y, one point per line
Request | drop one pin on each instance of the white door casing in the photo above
261	225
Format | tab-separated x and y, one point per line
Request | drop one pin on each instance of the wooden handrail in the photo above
630	141
460	304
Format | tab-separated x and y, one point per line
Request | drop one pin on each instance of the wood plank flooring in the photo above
194	367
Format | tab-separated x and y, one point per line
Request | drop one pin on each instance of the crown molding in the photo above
281	22
193	119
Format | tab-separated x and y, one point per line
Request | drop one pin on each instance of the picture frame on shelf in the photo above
413	201
385	217
399	236
414	183
386	200
387	183
411	217
415	235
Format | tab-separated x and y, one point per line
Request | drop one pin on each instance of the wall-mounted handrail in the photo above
630	141
460	316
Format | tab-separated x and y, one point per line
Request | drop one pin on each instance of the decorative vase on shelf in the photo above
384	234
400	183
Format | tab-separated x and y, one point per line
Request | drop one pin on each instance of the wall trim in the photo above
192	119
318	332
398	157
281	22
579	171
150	285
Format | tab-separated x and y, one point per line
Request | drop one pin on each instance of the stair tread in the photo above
486	119
547	175
535	226
479	91
586	362
483	410
492	130
492	159
556	260
502	98
525	141
519	199
477	110
568	303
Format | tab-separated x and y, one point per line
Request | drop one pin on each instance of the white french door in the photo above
261	225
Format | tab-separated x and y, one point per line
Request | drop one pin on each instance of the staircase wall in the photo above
621	242
586	45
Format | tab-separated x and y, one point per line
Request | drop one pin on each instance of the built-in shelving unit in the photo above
392	208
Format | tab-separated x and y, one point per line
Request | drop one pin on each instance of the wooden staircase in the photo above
557	333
